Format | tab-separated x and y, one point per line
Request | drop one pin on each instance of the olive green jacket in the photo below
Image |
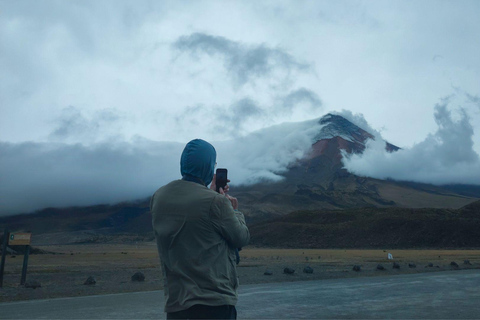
197	232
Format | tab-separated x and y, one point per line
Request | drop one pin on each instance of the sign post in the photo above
19	239
4	253
25	264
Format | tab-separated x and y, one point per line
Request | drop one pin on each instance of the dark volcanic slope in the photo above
372	228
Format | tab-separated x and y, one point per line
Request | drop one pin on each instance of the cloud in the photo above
39	175
359	120
265	154
473	99
73	126
239	117
444	157
299	96
244	63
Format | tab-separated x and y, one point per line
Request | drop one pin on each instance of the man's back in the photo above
197	232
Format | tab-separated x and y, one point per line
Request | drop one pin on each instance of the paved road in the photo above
439	295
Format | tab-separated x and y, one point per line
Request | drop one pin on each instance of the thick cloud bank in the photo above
39	175
444	157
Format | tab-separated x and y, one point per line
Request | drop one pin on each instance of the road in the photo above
439	295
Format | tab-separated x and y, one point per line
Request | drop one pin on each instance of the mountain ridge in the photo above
315	182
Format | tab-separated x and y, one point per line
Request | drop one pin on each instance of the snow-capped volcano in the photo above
336	134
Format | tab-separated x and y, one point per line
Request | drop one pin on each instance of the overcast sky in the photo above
98	98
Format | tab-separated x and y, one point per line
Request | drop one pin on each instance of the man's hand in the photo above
233	200
213	185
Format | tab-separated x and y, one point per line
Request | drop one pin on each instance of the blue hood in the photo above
198	161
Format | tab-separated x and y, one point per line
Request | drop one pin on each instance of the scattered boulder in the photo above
467	262
453	264
90	281
138	276
308	269
430	265
412	265
289	271
268	272
356	268
380	267
11	251
33	284
396	265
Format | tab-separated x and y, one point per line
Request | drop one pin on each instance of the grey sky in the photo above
86	76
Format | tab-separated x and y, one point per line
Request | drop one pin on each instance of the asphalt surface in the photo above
439	295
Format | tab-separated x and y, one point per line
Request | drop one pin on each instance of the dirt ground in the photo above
63	273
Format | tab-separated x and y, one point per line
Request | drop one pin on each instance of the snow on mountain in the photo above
337	126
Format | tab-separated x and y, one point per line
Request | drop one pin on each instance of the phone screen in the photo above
221	180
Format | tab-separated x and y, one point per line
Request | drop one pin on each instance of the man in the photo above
197	231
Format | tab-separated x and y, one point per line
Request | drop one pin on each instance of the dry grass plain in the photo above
62	274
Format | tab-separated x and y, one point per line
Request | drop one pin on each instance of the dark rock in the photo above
289	271
454	264
412	265
268	272
308	269
90	281
380	267
430	265
467	262
356	268
33	284
396	265
138	276
11	251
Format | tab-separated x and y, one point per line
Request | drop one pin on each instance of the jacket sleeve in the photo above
229	223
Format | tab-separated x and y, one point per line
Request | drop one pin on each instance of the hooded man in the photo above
197	231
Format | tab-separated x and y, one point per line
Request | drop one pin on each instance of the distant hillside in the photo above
122	217
388	227
372	228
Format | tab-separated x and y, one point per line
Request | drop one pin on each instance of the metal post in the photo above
4	253
25	264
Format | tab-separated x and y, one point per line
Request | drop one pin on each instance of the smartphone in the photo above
221	180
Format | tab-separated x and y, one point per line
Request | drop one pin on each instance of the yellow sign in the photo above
19	239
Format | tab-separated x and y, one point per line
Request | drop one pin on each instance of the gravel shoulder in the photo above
63	274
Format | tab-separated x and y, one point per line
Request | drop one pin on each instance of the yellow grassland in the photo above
74	258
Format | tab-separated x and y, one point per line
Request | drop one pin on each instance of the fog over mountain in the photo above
60	174
443	157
